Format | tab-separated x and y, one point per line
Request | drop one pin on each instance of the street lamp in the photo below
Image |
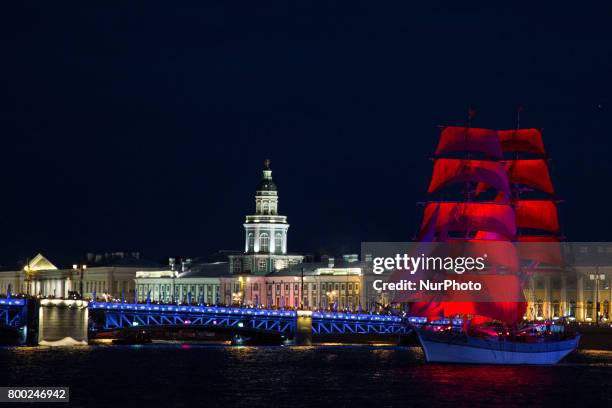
597	277
331	296
28	276
80	268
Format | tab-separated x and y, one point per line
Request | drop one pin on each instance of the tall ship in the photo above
492	188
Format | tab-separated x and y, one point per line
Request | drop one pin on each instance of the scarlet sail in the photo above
532	173
453	171
501	253
461	216
454	139
537	214
522	140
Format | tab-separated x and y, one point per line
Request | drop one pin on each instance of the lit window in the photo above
262	264
264	242
278	243
251	242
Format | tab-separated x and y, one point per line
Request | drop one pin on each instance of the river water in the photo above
191	375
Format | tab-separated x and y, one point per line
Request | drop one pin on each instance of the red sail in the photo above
452	216
540	248
501	253
501	197
532	173
459	308
522	140
537	214
507	312
429	229
451	171
431	310
461	139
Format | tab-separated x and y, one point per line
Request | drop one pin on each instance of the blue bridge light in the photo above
120	315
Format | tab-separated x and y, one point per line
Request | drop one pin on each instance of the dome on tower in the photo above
266	183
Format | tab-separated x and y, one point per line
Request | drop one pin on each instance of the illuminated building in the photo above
199	281
265	239
108	275
313	285
577	291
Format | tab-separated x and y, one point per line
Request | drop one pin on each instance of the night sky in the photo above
142	126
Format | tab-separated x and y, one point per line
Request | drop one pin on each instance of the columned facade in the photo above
163	286
573	294
307	286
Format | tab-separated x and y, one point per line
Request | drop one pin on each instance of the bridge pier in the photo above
303	332
62	322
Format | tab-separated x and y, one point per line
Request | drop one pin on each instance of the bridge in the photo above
114	316
13	313
124	315
356	323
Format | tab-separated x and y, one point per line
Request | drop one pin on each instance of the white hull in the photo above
479	351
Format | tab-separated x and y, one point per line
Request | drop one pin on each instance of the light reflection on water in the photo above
194	374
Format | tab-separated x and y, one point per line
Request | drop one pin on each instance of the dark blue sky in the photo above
142	126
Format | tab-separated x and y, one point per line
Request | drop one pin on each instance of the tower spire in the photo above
267	185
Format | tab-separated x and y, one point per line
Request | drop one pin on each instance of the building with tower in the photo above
265	239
